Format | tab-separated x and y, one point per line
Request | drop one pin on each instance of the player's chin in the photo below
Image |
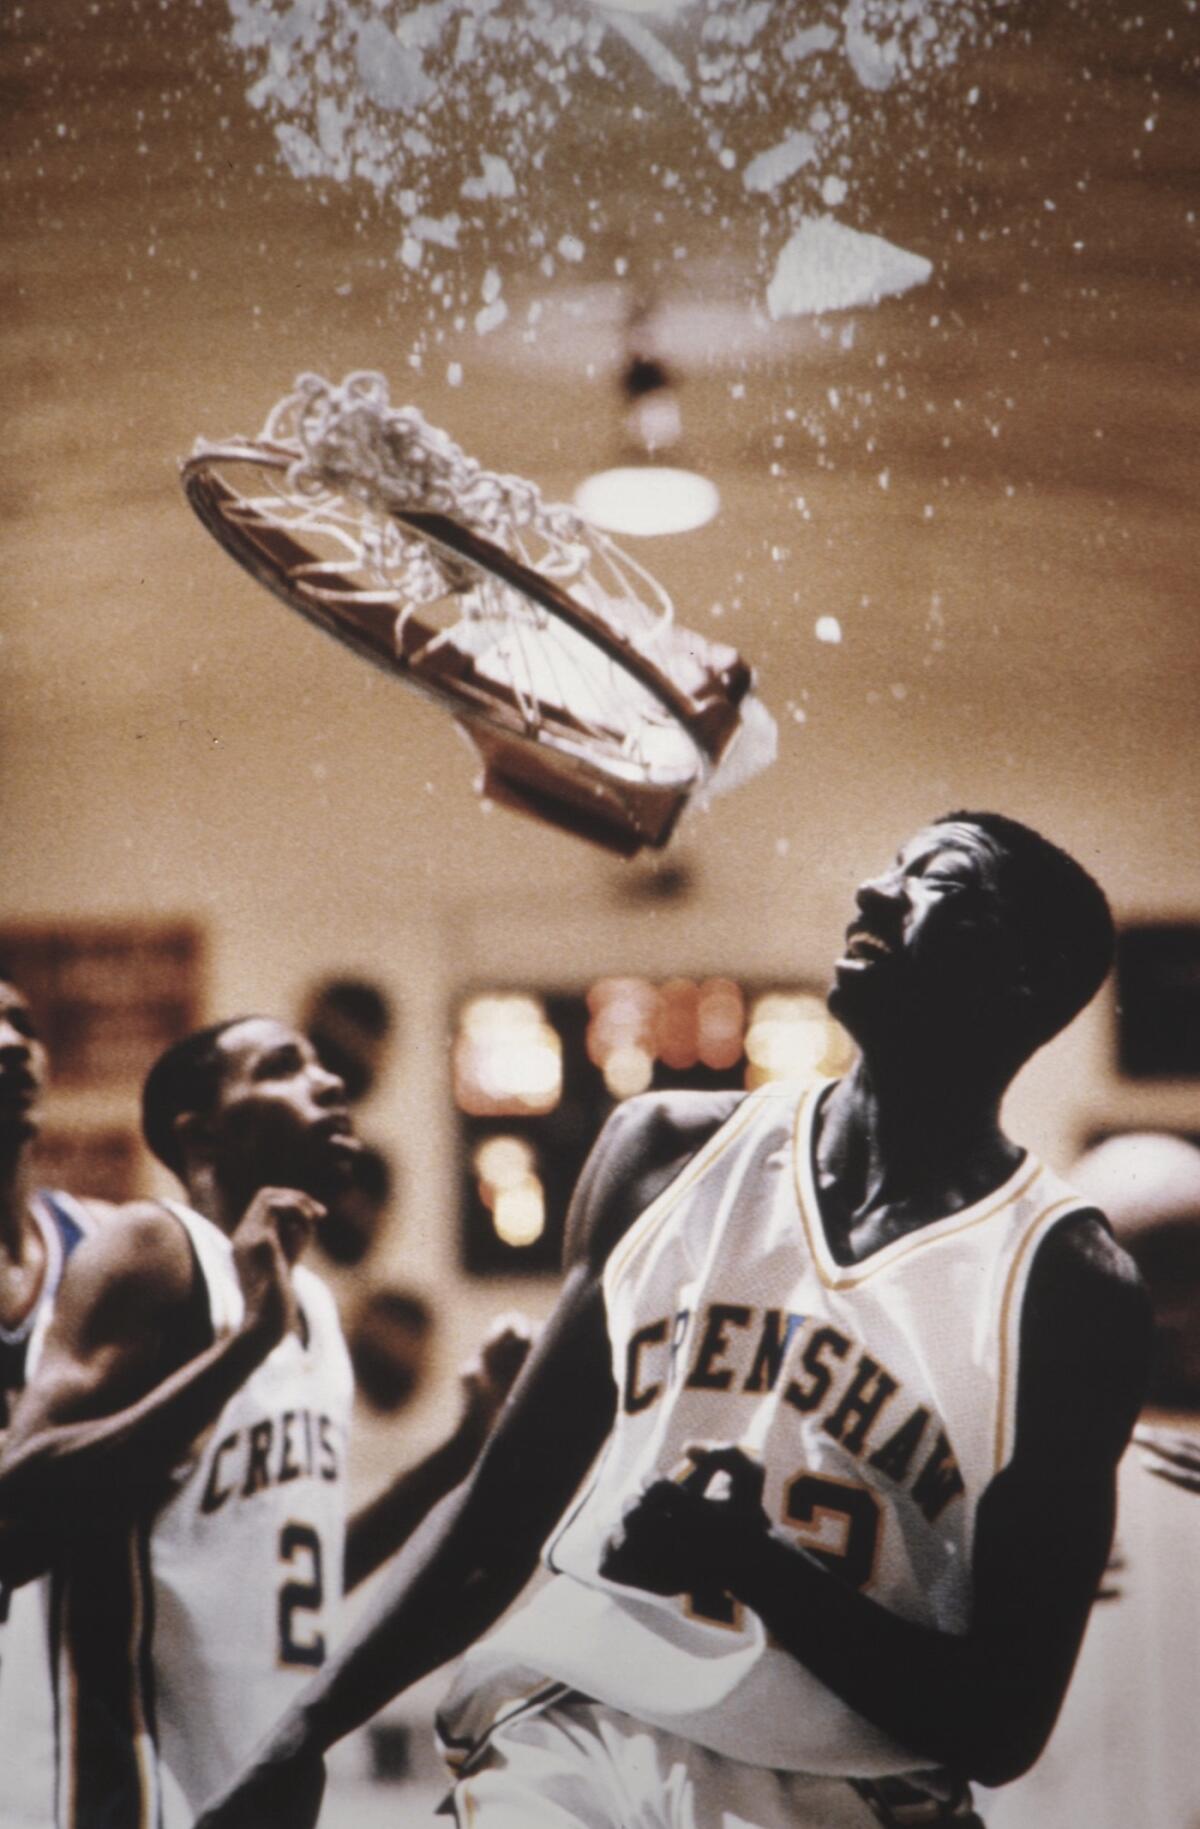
844	1002
328	1169
339	1154
19	1124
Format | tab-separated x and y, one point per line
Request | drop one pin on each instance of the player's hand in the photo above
25	1553
489	1376
683	1535
267	1241
1171	1456
276	1794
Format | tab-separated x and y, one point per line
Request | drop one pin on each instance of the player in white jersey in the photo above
39	1230
184	1438
858	1371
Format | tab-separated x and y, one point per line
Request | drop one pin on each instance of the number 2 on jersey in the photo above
301	1640
838	1522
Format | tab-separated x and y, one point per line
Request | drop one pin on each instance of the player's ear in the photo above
193	1131
1021	999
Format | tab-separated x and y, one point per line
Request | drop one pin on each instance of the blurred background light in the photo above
649	9
792	1036
507	1058
511	1189
648	499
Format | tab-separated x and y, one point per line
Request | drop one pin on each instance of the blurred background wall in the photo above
987	482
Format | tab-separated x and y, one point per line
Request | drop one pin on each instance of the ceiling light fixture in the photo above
652	9
647	499
646	496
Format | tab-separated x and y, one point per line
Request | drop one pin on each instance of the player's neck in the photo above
16	1191
209	1196
891	1139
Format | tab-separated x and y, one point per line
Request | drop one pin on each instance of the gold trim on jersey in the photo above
643	1228
1036	1231
78	1803
458	1760
951	1225
144	1752
66	1700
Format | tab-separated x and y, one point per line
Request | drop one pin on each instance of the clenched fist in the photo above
678	1537
267	1241
488	1377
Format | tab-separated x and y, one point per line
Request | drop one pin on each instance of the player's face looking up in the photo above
22	1067
929	942
279	1118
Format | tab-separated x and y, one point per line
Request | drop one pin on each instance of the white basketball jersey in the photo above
26	1707
211	1615
878	1397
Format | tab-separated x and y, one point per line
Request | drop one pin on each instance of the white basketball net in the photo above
353	442
352	438
349	463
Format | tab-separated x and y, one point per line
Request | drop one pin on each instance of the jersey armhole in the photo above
203	1315
646	1226
1011	1316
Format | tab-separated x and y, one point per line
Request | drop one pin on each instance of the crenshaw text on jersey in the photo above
740	1349
294	1445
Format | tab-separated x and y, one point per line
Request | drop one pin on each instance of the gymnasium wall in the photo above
998	514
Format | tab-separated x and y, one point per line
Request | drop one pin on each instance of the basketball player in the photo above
860	1369
1151	1186
39	1230
195	1575
1123	1752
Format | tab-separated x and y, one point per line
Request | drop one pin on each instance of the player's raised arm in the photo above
982	1702
129	1373
459	1571
475	1552
386	1522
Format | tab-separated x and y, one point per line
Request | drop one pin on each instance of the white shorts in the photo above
566	1762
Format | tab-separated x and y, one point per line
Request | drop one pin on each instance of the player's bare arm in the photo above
467	1562
475	1551
982	1703
382	1526
129	1373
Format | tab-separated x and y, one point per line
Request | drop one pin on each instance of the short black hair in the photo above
186	1078
1059	916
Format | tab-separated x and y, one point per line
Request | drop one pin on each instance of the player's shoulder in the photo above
1085	1336
103	1212
647	1141
138	1253
1079	1262
85	1209
654	1129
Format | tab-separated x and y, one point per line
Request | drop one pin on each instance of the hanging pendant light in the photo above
646	497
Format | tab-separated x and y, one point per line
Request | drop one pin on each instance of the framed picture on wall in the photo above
109	995
536	1072
102	1161
1158	1000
